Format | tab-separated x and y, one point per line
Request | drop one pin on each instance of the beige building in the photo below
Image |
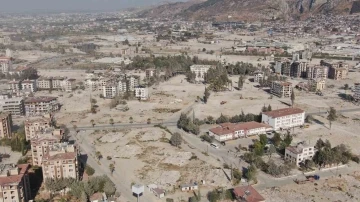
29	84
43	83
37	106
337	73
110	91
5	125
317	72
281	89
14	86
14	183
316	85
41	143
200	71
258	75
68	85
299	153
15	106
56	82
61	161
150	73
142	93
5	65
36	126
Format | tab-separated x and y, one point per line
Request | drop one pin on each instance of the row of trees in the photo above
237	118
188	125
82	190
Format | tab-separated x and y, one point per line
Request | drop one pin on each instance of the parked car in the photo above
214	145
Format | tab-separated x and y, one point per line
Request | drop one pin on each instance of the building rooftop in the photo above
248	194
12	174
227	128
61	156
283	112
283	83
40	99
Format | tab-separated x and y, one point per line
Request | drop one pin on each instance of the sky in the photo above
72	5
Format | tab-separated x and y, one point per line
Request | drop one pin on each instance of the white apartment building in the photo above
200	71
299	153
357	91
258	75
14	86
133	81
68	85
284	118
56	82
5	65
5	40
14	105
94	84
142	93
43	83
110	91
29	84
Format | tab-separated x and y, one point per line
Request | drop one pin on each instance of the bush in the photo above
355	159
207	138
89	170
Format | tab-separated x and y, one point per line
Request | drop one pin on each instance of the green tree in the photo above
206	95
264	109
83	197
98	155
92	122
269	109
271	150
111	121
111	168
131	119
109	187
241	82
176	139
258	148
346	87
251	173
292	97
332	116
89	170
214	196
288	139
222	119
263	139
148	121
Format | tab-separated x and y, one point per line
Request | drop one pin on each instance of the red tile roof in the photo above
227	128
61	156
283	112
15	178
248	194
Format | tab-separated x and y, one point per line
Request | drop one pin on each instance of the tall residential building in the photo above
37	106
286	68
15	106
5	65
110	91
357	91
315	85
5	125
36	126
43	83
29	84
142	93
14	183
68	85
337	73
200	71
42	141
281	89
56	82
299	153
284	118
317	72
132	81
298	69
14	86
61	161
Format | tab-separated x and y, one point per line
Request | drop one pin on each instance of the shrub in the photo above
89	170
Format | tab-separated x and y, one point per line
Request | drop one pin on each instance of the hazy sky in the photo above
68	5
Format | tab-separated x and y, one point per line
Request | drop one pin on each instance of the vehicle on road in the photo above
214	145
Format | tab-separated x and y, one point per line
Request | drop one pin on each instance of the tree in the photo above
288	139
346	87
89	170
213	196
292	97
264	109
98	155
84	197
148	121
92	122
176	139
319	144
75	128
222	119
263	139
309	118
111	168
112	121
131	119
206	95
258	148
271	150
269	109
331	115
276	139
109	187
251	173
210	120
241	82
309	164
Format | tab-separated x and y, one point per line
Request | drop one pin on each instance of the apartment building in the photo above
150	73
4	95
68	85
43	83
36	126
230	131
315	85
338	73
317	72
29	84
142	93
61	161
281	89
5	40
41	142
5	65
258	75
357	91
298	69
200	71
94	84
14	183
57	82
299	153
15	106
122	85
284	118
286	68
14	86
5	125
37	106
132	81
110	91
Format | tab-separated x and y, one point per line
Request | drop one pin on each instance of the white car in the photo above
214	145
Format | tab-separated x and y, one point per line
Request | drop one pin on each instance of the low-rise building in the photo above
142	93
337	73
281	88
68	85
357	91
29	84
315	85
43	83
230	131
258	75
61	161
5	125
200	71
299	153
38	106
189	187
247	194
284	118
36	126
15	106
14	183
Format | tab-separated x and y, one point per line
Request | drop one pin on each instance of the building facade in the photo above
110	91
68	85
142	93
15	106
14	183
230	131
5	125
29	84
281	89
357	91
43	83
317	72
316	85
299	69
284	118
5	65
200	71
38	106
150	73
337	73
299	153
34	127
14	86
258	75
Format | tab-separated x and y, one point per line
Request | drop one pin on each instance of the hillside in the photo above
250	10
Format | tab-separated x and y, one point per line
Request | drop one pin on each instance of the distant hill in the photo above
250	10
